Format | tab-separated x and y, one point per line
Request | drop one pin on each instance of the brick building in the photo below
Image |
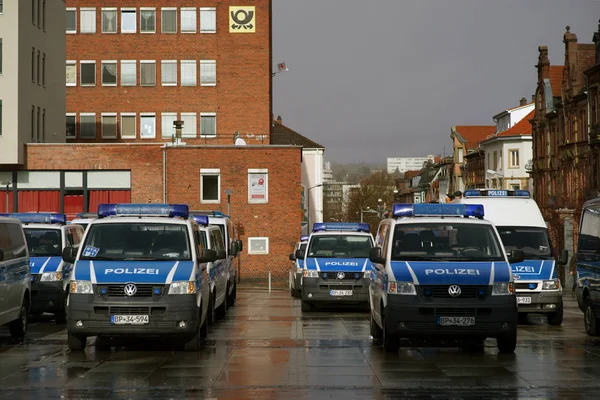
593	86
465	140
475	169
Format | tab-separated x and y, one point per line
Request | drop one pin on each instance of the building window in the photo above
188	73
1	7
38	69
33	64
44	69
258	245
109	73
128	20
71	20
168	20
109	20
460	155
258	186
208	124
208	73
109	126
148	73
210	186
148	20
88	73
87	126
190	123
32	127
33	8
39	12
148	126
514	158
495	161
208	20
44	125
44	15
168	73
71	73
128	73
38	128
166	127
188	20
128	125
71	124
88	20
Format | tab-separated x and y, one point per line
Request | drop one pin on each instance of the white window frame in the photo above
74	64
168	62
161	20
102	72
188	62
102	20
461	154
214	12
208	114
145	115
183	131
155	19
148	62
210	172
74	133
74	10
102	115
80	126
256	238
95	28
172	128
129	9
208	62
120	129
190	9
81	63
512	164
252	171
128	62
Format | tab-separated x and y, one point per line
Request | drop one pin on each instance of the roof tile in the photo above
521	128
282	135
474	134
556	79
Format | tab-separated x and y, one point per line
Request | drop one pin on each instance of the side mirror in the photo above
207	256
375	256
292	257
299	254
240	246
516	256
69	254
221	255
234	248
1	255
564	258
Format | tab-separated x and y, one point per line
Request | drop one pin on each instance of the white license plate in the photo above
340	292
523	300
129	319
456	321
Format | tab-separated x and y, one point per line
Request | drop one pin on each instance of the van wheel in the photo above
523	318
306	307
195	343
231	301
76	342
555	318
507	343
376	331
222	309
590	321
18	327
210	313
61	316
390	343
204	326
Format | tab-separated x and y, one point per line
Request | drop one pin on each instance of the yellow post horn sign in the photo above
242	19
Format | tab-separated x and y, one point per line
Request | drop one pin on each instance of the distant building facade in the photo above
403	164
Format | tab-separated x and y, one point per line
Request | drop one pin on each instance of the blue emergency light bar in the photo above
496	193
200	219
86	215
40	218
341	226
143	210
213	213
304	238
438	210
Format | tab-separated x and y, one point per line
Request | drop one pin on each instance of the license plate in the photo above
523	300
456	321
340	292
129	319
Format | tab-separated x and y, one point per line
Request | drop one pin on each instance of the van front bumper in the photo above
319	290
47	296
539	302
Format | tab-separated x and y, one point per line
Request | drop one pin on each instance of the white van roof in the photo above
509	211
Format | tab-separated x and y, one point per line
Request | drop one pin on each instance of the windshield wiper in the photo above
414	258
100	258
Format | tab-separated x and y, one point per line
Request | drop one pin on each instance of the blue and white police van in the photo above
297	268
440	274
521	226
139	272
336	264
47	234
212	242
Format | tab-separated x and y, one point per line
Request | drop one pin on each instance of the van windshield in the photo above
43	242
340	246
446	242
137	241
534	242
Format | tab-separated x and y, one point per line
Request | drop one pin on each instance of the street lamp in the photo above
281	67
178	125
308	206
229	192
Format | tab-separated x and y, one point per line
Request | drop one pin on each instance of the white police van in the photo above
336	264
297	268
521	226
84	219
211	240
440	274
47	234
139	272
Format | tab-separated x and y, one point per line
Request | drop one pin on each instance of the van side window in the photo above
203	239
589	236
17	247
77	236
386	235
199	243
217	240
69	239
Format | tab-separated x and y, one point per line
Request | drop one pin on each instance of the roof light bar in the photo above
40	218
341	226
86	215
496	193
200	219
143	210
304	238
438	210
210	213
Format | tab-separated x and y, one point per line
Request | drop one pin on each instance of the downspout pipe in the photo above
164	160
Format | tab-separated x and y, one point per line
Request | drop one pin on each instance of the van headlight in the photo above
367	274
311	273
183	287
553	284
81	287
503	289
51	276
404	288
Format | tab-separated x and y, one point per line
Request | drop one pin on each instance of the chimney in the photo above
523	102
279	120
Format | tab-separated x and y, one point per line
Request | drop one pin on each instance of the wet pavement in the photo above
266	348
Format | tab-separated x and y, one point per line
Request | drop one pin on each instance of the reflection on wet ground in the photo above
267	348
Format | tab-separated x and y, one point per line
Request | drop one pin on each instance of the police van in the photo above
84	219
297	268
224	223
211	240
336	264
440	273
140	272
47	234
521	225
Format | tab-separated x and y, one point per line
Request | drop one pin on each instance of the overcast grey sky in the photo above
397	74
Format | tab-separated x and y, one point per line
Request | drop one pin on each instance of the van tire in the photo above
376	331
18	327
507	343
590	321
306	307
194	343
61	316
231	300
76	342
222	309
211	316
523	318
204	326
555	318
389	342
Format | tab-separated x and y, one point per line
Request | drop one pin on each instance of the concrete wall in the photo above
312	175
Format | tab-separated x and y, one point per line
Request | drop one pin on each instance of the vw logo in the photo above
517	277
341	275
454	290
130	289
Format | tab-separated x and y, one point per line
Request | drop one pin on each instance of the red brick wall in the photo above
241	98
